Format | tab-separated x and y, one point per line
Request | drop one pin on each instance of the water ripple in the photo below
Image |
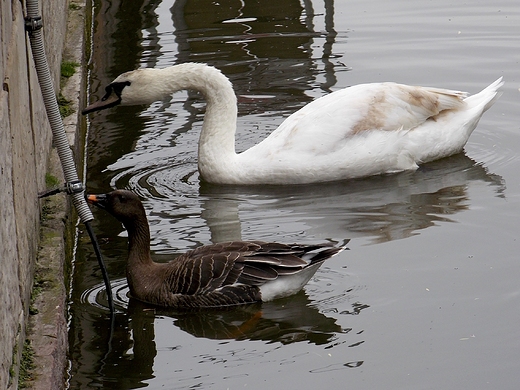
96	296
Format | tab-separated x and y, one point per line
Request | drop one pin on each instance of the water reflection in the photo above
132	340
381	208
269	45
286	320
279	56
292	319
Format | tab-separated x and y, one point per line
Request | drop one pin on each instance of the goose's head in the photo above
141	86
122	204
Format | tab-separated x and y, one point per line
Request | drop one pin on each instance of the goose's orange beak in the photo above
98	200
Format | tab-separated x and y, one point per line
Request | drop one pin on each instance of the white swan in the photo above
359	131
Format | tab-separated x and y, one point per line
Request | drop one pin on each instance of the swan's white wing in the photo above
330	121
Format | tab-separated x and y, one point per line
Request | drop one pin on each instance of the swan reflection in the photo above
381	208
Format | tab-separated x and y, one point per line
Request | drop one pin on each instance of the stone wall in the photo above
25	147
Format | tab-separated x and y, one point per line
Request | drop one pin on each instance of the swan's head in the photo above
145	86
142	86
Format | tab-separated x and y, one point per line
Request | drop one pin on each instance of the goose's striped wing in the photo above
226	296
252	263
201	273
274	260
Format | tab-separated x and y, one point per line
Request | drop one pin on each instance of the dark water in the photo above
428	295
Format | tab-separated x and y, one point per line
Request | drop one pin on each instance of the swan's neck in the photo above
217	139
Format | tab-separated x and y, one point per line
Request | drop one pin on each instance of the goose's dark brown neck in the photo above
138	241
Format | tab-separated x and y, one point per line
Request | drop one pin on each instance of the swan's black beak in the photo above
98	200
112	97
102	104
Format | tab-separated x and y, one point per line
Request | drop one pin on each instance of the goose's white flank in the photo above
363	130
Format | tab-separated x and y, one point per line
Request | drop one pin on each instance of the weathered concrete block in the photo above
25	144
10	302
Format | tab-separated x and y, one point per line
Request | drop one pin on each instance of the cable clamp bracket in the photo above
33	24
74	187
71	188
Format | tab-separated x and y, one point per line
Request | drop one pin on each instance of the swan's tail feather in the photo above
487	96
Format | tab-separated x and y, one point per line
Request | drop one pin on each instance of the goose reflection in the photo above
133	346
285	321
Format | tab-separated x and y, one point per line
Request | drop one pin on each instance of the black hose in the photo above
104	272
33	22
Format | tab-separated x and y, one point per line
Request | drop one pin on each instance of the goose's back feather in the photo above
230	273
256	263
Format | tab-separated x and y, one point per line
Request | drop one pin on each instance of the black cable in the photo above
104	272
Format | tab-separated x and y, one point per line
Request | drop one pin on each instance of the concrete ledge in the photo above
47	329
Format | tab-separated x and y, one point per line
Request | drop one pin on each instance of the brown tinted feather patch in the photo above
374	116
428	100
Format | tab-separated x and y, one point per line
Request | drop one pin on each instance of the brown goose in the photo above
229	273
